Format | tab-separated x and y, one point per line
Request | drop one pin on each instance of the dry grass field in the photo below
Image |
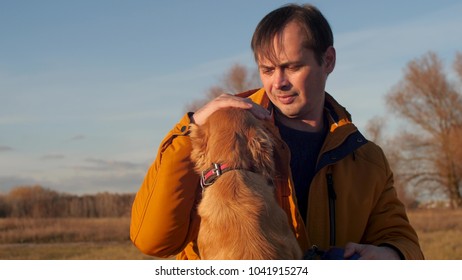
67	239
54	230
72	251
439	230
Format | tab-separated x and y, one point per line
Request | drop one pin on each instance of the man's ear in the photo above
329	59
261	147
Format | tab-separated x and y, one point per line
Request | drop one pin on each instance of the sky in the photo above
89	88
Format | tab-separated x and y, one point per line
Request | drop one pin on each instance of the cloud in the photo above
377	47
92	176
18	119
52	157
9	182
77	137
99	175
5	148
153	114
128	182
103	165
371	60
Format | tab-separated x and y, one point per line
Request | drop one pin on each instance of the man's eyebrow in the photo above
265	66
283	65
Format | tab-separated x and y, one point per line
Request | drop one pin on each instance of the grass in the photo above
439	231
52	230
73	251
67	239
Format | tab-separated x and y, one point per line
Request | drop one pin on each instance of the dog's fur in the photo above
240	218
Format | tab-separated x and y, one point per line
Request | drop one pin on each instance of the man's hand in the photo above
370	252
226	101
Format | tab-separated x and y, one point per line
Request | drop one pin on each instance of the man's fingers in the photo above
227	101
258	111
352	248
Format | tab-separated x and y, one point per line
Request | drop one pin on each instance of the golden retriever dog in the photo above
240	218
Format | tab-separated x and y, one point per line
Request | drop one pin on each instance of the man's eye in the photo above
294	67
267	70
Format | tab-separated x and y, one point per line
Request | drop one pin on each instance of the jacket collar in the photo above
343	136
336	114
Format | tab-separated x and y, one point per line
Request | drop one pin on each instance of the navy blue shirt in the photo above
304	150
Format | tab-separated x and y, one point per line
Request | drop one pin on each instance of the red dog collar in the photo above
209	176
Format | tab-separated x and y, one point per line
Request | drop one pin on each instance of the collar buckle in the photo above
209	176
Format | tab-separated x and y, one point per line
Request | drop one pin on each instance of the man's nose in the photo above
280	80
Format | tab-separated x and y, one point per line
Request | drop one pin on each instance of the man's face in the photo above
295	82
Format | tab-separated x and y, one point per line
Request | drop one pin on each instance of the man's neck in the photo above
310	125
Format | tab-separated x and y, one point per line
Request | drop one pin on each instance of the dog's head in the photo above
233	136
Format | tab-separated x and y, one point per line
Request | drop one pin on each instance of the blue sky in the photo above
88	88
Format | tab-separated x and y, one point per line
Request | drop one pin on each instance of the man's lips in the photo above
286	99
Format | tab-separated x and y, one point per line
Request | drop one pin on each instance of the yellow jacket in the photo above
353	170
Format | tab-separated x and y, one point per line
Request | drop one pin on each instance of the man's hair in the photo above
317	29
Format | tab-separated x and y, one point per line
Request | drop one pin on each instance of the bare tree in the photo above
375	132
237	79
458	65
374	129
433	106
240	78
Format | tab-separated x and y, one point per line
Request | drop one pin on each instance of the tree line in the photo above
39	202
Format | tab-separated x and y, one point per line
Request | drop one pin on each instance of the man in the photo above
335	186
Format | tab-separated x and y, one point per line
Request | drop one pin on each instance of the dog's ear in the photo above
199	144
261	147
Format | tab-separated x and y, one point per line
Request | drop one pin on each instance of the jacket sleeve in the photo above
164	218
389	225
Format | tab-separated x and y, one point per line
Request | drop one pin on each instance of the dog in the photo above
240	217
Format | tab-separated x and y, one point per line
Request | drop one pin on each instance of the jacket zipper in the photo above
332	198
